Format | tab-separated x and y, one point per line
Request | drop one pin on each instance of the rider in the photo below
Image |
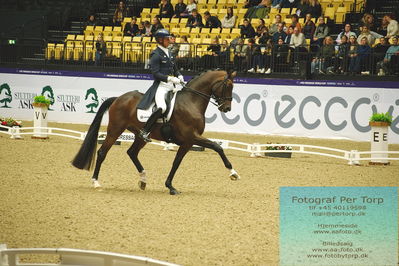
166	77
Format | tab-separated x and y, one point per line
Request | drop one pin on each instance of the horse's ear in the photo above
232	75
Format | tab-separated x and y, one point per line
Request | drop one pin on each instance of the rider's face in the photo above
165	42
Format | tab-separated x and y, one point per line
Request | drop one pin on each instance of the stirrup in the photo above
144	135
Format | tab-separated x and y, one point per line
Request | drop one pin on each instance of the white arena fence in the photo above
74	257
255	150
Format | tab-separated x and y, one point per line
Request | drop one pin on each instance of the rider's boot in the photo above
145	132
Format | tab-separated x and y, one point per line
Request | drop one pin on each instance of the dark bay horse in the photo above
187	121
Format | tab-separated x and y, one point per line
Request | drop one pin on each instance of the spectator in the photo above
92	21
101	50
224	55
289	3
303	8
347	32
165	9
210	61
255	57
260	28
341	58
380	50
194	20
295	22
229	21
359	64
289	32
173	46
180	9
367	20
259	11
211	21
183	59
274	26
280	34
309	27
280	54
240	55
366	33
352	53
314	8
264	37
190	7
390	60
156	25
251	3
276	4
147	29
298	44
382	30
324	56
392	28
247	31
320	33
131	29
120	14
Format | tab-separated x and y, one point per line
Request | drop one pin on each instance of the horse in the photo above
187	122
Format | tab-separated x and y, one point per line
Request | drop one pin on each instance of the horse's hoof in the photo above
96	184
174	192
142	185
234	175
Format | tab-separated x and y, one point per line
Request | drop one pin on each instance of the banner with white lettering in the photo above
302	111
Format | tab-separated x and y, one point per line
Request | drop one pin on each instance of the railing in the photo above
68	256
255	149
134	56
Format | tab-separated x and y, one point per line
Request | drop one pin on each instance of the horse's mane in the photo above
201	74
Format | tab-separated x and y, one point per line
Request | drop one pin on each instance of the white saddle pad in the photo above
143	115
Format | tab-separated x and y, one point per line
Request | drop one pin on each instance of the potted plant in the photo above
40	106
41	101
279	148
9	122
379	123
380	120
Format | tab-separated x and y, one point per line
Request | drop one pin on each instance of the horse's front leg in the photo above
183	149
206	143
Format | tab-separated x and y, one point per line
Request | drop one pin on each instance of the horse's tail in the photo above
84	159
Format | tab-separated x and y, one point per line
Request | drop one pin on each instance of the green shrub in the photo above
41	99
381	117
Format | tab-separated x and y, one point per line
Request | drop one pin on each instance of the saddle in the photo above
166	129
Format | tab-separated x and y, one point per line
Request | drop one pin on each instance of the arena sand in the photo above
45	202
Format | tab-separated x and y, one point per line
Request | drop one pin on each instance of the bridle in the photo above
219	100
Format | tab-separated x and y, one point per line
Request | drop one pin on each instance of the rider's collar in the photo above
165	50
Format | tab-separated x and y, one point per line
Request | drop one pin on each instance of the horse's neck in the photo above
203	85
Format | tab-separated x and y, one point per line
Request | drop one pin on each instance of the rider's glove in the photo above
181	78
174	80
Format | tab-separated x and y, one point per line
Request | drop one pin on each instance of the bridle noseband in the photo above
219	100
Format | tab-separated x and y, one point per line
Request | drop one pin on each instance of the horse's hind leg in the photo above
102	153
206	143
133	152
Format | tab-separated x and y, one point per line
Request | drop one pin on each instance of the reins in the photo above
219	101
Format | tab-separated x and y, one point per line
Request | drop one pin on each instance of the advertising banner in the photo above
322	111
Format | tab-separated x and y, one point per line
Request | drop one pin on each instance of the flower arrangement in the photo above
381	117
41	101
10	122
280	148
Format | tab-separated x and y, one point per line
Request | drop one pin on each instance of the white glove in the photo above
176	89
174	80
181	78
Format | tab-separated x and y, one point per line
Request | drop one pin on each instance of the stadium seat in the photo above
89	54
89	31
195	30
329	12
50	51
136	39
58	51
184	31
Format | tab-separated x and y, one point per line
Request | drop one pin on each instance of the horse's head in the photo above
222	91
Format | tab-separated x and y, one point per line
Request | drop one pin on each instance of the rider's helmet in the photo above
160	34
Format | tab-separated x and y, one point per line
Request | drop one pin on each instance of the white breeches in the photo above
160	95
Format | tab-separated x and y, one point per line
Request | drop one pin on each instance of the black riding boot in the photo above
145	132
